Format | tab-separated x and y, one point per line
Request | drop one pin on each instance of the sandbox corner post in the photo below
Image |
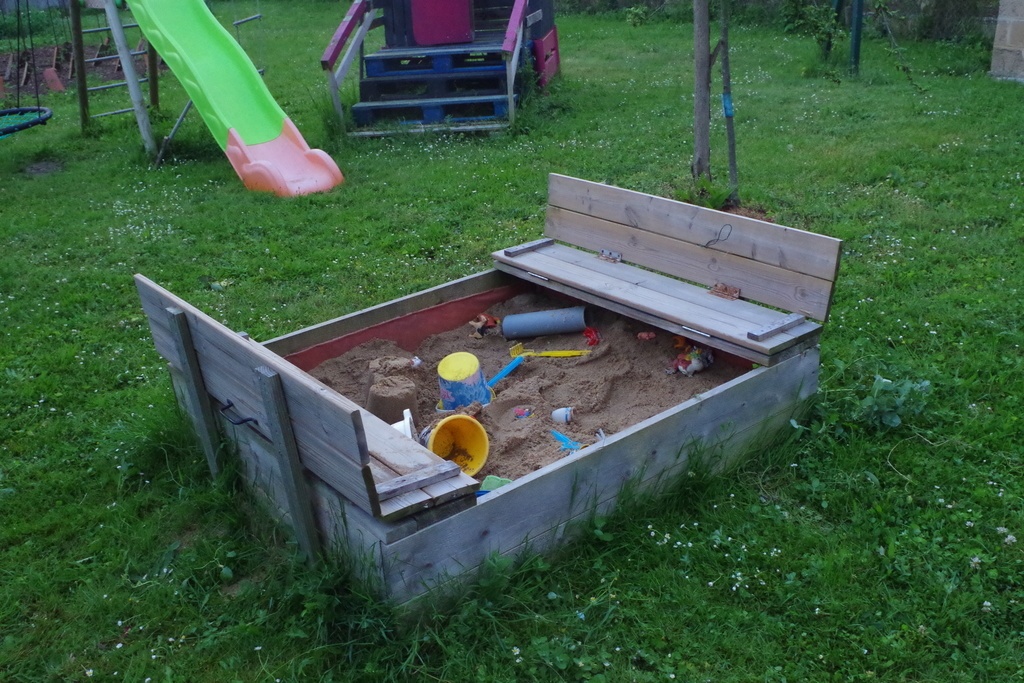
292	471
200	408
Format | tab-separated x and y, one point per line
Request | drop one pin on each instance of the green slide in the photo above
264	147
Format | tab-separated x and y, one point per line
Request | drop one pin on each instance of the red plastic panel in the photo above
545	51
442	22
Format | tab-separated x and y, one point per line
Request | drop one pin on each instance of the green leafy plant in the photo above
889	403
818	20
637	15
704	192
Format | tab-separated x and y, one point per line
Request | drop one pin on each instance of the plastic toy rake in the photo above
517	350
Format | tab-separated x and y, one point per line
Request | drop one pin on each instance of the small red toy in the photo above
484	324
692	360
592	335
645	336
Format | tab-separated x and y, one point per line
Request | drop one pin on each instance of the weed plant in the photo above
877	541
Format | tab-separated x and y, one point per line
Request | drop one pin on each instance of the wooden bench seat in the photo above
659	260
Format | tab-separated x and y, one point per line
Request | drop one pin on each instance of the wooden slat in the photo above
199	407
332	329
430	496
291	470
336	449
535	511
787	323
352	18
327	439
767	284
796	250
419	479
512	31
657	295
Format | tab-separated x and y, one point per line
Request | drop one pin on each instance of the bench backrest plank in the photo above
771	264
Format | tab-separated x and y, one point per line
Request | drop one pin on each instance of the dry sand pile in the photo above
622	381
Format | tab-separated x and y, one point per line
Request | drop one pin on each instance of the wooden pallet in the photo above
434	111
432	86
480	56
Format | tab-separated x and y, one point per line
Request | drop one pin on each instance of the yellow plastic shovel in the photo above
518	350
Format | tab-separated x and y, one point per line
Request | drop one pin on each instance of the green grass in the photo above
852	551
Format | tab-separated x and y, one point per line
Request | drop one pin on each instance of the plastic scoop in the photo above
504	372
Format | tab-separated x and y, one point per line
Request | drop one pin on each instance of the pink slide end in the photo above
285	165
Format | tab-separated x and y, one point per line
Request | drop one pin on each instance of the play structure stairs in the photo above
454	84
445	64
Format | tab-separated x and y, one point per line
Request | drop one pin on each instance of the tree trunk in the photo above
701	165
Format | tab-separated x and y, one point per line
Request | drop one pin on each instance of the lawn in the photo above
878	540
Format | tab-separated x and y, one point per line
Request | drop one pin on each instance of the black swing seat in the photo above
20	118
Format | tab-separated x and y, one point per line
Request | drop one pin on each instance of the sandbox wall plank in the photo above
532	512
355	322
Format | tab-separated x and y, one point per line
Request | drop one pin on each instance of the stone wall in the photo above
1008	47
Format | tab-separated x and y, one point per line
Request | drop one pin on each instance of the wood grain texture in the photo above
330	330
768	243
197	399
292	473
659	296
533	512
333	434
764	283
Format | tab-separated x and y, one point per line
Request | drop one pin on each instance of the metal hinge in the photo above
725	291
608	255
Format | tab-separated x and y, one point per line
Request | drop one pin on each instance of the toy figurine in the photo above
484	324
692	360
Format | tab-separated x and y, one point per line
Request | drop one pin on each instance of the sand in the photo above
622	381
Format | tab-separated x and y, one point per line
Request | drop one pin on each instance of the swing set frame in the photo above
18	118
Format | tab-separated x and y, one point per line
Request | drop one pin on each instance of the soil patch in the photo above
41	168
621	382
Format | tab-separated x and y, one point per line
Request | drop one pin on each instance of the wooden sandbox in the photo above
346	480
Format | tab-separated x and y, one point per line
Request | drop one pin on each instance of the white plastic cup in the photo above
562	415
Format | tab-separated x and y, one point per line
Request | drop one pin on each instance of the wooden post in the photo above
153	72
78	57
200	409
701	165
856	25
727	108
131	77
292	472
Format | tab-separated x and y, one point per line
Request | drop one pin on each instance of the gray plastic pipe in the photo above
537	324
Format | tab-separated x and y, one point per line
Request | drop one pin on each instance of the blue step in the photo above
432	86
451	109
423	61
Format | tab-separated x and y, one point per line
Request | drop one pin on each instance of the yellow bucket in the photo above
462	440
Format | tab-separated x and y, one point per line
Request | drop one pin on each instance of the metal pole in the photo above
856	23
132	79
